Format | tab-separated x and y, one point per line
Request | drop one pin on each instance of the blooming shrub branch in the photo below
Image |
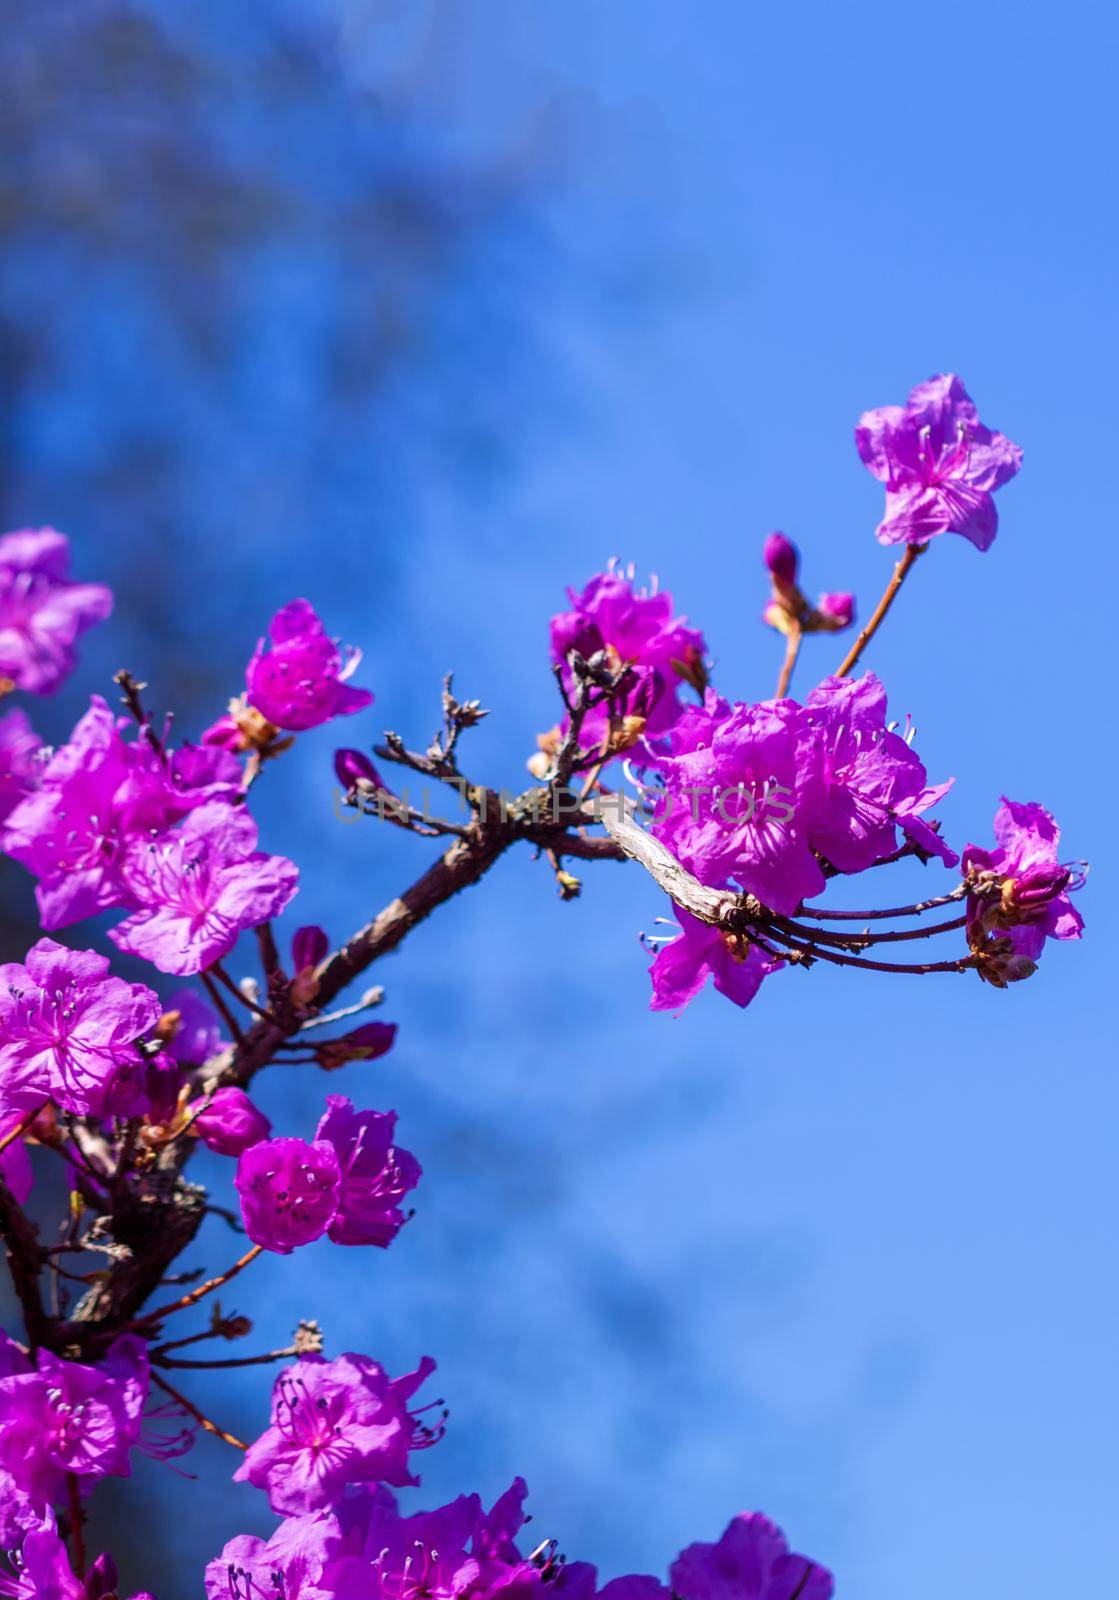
742	812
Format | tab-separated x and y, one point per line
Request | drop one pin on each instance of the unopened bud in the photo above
780	556
366	1043
351	766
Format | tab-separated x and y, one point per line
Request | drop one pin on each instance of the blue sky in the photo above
846	1257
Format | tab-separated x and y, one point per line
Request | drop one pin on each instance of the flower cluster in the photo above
364	1549
347	1183
754	808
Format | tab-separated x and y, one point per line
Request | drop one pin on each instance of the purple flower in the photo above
684	964
301	682
19	764
289	1565
636	629
335	1423
1019	892
60	1417
750	1562
69	1031
231	1123
42	1568
289	1192
940	465
42	613
376	1175
95	794
197	888
873	782
743	785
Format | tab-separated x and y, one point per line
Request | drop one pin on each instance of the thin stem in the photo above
220	1006
199	1416
878	616
201	1292
77	1522
792	650
266	1359
269	955
861	940
227	982
965	964
914	910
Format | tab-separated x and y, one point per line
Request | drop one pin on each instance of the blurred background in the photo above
425	311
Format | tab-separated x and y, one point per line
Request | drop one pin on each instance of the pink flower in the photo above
684	964
873	781
69	1031
43	613
1020	891
60	1417
289	1192
751	1561
301	681
196	889
635	628
335	1423
939	463
743	785
95	794
376	1175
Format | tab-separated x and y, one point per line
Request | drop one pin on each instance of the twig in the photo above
199	1416
234	989
220	1006
266	1359
878	616
914	910
201	1292
792	650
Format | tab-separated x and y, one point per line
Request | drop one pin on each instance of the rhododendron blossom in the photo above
289	1191
301	680
42	612
636	629
197	888
335	1423
69	1030
940	464
376	1174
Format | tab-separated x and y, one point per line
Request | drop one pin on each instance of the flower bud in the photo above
780	555
231	1124
366	1043
1027	896
836	611
308	947
351	766
102	1579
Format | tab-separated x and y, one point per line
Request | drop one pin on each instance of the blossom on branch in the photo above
336	1423
301	681
940	464
42	611
196	889
69	1031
